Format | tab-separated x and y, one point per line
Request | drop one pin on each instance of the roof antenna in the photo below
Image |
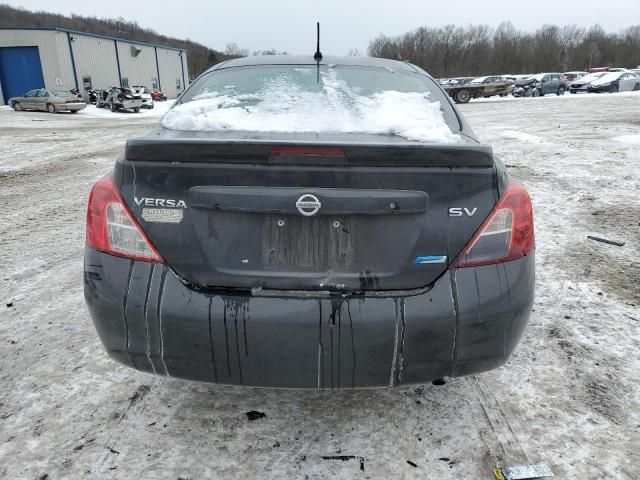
318	56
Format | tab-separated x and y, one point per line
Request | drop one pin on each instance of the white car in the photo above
582	84
615	82
147	101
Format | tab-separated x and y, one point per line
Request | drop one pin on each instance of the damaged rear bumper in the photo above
469	321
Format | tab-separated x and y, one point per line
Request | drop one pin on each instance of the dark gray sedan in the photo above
51	101
310	224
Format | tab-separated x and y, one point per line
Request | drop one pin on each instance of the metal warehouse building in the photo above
60	59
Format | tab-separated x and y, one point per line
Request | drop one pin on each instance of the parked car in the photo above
615	82
158	96
51	101
544	83
479	87
571	76
145	94
269	247
116	98
582	84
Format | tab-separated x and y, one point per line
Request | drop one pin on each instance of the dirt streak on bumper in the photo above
469	321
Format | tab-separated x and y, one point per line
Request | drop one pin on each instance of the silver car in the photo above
51	101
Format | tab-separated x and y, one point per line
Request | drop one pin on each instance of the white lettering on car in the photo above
159	202
460	211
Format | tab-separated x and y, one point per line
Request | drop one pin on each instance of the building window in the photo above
154	83
178	84
86	83
125	82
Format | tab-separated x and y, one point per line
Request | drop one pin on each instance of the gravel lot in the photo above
569	397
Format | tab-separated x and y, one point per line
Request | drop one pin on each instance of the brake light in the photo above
112	229
505	235
314	151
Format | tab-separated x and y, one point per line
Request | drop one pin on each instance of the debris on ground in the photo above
412	463
604	240
254	415
522	472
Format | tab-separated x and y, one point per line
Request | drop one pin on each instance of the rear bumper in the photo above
469	321
71	106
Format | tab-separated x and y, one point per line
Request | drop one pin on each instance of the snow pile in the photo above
282	106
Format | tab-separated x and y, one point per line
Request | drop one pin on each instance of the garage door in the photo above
20	71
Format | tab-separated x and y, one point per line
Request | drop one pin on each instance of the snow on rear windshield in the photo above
303	99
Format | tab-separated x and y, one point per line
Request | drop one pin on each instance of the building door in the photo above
20	71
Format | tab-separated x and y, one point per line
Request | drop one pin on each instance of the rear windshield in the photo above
303	98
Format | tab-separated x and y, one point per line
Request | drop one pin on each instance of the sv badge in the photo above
461	211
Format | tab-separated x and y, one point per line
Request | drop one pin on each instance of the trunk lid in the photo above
306	212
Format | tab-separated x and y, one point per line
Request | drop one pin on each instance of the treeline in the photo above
479	49
199	57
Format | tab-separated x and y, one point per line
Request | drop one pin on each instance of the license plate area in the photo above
311	244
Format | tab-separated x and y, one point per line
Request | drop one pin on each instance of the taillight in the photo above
505	235
112	229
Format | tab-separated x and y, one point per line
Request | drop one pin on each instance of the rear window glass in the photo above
305	98
61	93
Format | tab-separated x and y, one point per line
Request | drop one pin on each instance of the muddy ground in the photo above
569	397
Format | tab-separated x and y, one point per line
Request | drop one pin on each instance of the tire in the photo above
51	108
613	88
113	107
636	87
573	92
560	91
136	109
535	93
462	96
17	107
74	111
540	93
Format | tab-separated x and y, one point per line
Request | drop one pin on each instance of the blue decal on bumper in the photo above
431	259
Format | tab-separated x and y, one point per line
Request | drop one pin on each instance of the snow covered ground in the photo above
569	397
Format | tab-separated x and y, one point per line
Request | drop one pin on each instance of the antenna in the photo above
318	56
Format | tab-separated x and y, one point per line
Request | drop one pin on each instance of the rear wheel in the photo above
51	108
462	96
560	91
74	111
636	87
16	106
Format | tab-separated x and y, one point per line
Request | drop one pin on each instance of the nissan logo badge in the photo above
308	205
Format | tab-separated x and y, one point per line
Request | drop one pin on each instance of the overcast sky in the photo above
289	26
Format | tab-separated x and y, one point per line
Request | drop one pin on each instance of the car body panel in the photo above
468	321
